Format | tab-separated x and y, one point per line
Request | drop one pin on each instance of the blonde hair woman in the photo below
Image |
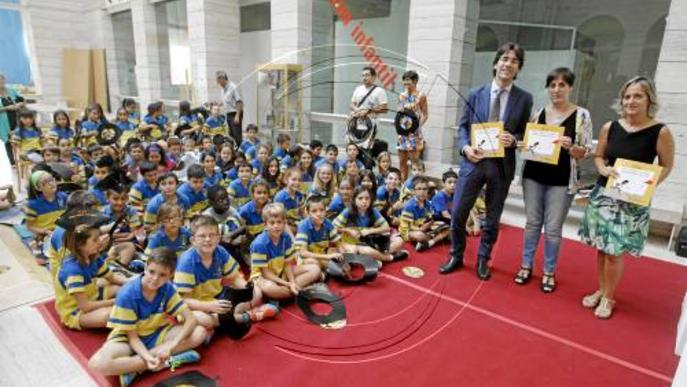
612	226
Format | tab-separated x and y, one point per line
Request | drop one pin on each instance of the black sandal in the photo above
523	276
548	283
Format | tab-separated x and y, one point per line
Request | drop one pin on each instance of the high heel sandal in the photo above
524	275
548	283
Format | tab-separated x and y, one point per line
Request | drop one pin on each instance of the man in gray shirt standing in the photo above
232	104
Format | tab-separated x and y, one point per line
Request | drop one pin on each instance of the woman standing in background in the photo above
10	103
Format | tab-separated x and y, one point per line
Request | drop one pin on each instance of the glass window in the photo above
367	9
256	17
342	49
175	52
14	61
605	44
125	54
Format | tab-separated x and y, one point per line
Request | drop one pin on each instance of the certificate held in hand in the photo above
542	143
485	137
635	183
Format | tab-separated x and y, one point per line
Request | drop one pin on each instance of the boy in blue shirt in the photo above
417	223
251	140
388	200
194	190
239	189
103	167
273	259
443	199
123	248
144	190
143	336
127	127
316	149
331	154
204	269
283	146
216	123
317	237
352	153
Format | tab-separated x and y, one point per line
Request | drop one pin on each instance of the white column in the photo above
441	35
147	52
214	28
671	82
291	42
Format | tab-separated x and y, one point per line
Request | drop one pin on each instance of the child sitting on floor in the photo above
251	212
273	259
417	223
56	249
317	238
283	145
342	199
145	334
203	269
127	219
167	184
251	140
388	200
145	189
79	300
292	198
216	122
272	176
127	127
44	206
62	127
442	202
170	233
194	190
27	137
239	189
324	184
366	232
234	235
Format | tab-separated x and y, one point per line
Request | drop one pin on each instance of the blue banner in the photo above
14	60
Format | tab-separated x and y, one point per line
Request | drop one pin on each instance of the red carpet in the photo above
456	330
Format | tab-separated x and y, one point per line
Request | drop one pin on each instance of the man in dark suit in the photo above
501	101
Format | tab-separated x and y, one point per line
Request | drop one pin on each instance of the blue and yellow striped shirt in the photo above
239	193
75	278
292	204
133	312
316	240
249	213
203	283
266	254
42	213
414	216
197	199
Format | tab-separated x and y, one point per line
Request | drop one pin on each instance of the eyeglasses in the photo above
421	189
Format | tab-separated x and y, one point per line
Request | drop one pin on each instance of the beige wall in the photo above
671	82
54	25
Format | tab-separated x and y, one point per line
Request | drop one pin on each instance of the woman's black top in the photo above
637	146
549	174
